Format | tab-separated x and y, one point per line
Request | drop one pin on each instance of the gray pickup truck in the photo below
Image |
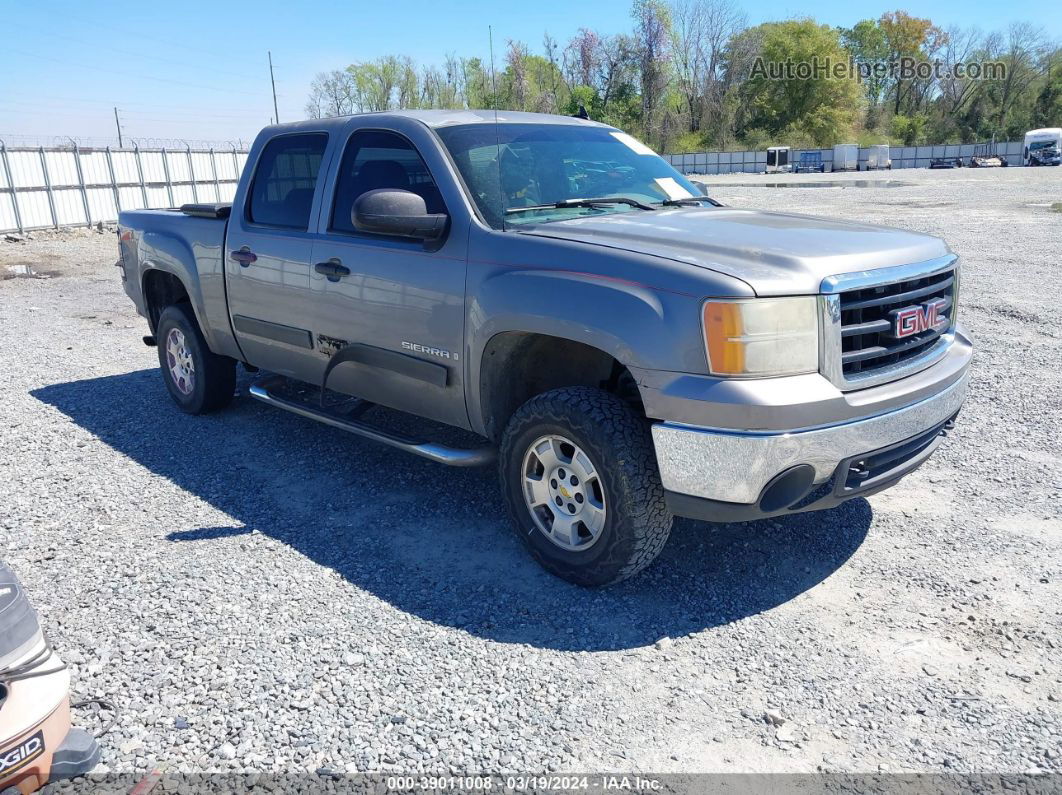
627	348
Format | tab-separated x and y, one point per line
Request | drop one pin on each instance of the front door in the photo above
268	257
400	304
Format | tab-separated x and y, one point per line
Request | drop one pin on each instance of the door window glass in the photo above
284	182
375	159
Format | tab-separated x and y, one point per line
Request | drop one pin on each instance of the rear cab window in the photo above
285	179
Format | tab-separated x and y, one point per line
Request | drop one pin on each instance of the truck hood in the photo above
774	253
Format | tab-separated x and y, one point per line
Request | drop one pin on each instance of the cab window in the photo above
375	159
285	179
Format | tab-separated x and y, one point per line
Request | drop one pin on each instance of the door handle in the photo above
333	269
244	256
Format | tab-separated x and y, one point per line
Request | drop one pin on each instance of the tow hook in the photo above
860	470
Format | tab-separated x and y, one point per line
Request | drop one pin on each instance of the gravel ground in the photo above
261	593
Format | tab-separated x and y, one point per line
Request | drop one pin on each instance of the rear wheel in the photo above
199	381
582	486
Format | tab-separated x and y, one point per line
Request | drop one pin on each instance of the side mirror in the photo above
402	213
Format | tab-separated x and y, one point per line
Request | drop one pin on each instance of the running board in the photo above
451	456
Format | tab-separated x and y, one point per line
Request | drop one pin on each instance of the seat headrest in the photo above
377	174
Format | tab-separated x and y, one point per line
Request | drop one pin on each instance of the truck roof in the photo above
442	118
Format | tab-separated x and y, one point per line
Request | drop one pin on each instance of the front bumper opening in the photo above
857	476
860	474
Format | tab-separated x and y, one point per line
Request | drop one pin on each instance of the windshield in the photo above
542	164
1042	145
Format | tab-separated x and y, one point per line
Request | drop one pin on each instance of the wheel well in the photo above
161	289
517	366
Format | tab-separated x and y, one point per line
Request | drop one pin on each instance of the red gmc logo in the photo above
916	319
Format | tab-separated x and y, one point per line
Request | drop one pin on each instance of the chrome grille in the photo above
861	343
867	341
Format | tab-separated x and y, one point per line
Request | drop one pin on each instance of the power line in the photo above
126	74
161	114
56	98
140	34
161	59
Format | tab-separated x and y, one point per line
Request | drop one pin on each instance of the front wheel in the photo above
199	381
582	486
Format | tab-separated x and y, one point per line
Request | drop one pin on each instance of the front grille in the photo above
867	340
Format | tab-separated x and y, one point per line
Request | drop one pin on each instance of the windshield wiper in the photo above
690	201
602	201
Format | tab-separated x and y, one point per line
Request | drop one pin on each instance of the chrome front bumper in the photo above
734	466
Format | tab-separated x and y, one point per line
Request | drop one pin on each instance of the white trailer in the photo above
846	157
778	159
878	157
1042	147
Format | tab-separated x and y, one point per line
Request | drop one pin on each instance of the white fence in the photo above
902	157
44	188
47	187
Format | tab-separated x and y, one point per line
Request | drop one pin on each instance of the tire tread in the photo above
218	372
613	425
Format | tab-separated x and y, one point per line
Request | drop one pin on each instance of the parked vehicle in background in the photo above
1043	147
846	157
946	162
987	156
778	160
810	162
878	157
626	348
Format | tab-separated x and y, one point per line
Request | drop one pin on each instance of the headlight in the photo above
760	337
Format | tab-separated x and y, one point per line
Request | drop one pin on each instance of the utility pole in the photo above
118	124
276	113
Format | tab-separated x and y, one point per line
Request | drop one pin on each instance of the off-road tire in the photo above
215	376
620	444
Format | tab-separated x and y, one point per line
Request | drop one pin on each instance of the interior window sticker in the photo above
671	188
633	144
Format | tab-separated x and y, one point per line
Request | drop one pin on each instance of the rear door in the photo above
267	256
399	302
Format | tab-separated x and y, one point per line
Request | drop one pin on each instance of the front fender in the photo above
635	324
639	326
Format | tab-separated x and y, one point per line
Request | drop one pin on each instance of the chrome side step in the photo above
452	456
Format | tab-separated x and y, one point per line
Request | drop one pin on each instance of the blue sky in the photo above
197	70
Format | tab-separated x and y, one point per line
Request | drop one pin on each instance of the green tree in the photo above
652	36
602	73
531	82
911	38
1047	110
819	110
870	50
478	84
910	129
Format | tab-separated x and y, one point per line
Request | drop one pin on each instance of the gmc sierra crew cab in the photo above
627	348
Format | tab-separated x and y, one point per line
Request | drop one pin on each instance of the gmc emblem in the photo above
916	319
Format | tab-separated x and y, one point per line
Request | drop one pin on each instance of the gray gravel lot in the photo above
261	593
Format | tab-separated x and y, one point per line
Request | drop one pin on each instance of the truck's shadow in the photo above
434	541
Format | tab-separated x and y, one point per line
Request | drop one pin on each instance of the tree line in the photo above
692	75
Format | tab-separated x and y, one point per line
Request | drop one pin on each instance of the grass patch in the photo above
1057	207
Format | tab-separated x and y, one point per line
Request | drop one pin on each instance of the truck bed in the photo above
189	244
